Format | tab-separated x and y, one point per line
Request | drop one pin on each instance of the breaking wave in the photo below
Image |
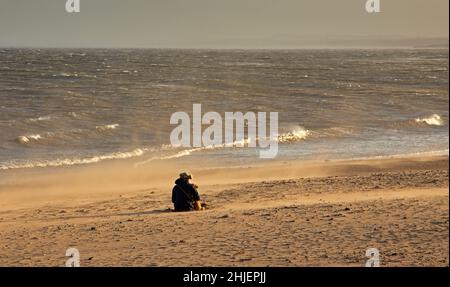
295	135
29	138
107	127
40	119
433	120
64	137
74	161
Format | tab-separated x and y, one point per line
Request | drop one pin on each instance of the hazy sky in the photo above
222	23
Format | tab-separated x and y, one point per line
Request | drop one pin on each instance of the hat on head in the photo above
186	175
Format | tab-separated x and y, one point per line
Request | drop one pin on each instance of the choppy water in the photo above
64	107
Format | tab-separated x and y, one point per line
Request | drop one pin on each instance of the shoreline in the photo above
39	186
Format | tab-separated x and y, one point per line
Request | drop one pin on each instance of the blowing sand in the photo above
278	214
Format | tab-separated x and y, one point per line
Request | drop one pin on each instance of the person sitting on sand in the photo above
185	196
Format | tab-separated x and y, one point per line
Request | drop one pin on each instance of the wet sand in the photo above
278	214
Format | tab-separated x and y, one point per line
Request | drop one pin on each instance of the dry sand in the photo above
277	214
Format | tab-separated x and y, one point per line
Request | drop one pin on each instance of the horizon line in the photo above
418	47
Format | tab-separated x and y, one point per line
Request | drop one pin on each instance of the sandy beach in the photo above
289	213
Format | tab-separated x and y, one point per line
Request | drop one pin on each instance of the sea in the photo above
65	107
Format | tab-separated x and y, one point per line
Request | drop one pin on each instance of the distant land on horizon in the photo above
283	43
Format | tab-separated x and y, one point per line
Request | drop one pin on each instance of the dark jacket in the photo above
183	195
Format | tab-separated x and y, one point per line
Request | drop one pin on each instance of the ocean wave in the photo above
49	137
76	54
433	120
297	134
247	64
65	136
184	152
107	127
73	115
74	161
40	119
29	138
334	132
66	75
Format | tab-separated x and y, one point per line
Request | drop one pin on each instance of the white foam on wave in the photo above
47	137
29	138
40	119
75	161
66	75
62	136
433	120
107	127
297	134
